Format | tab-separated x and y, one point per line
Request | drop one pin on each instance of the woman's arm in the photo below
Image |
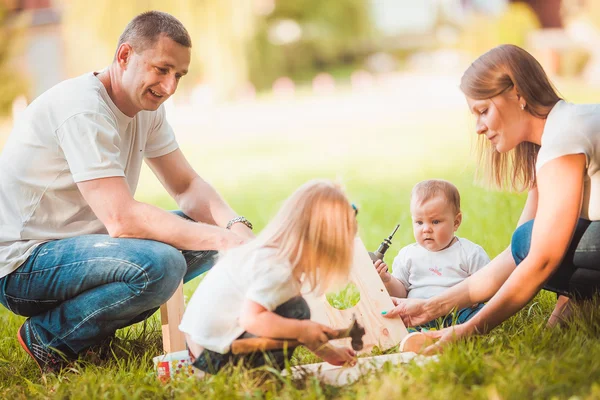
482	285
477	288
560	186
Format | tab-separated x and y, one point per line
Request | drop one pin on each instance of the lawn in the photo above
378	145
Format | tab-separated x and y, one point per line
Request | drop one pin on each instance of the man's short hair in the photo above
143	31
426	190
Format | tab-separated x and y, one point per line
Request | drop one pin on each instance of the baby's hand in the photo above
382	270
314	335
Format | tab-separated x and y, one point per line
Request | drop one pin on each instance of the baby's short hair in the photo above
425	190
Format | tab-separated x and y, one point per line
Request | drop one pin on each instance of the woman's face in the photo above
501	120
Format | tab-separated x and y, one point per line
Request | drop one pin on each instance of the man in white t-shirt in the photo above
439	259
78	255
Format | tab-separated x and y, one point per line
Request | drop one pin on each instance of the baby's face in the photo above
434	223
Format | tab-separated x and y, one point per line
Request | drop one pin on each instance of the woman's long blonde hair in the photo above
314	230
493	74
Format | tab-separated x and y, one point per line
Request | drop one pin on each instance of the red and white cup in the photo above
173	365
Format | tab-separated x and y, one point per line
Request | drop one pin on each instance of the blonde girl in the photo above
254	290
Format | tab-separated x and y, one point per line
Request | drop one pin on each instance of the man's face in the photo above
151	76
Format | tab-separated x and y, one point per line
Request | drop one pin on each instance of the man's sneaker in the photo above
46	359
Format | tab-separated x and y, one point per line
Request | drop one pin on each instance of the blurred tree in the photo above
13	84
231	43
302	37
219	29
547	12
482	32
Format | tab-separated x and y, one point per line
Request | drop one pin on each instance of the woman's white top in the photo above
575	129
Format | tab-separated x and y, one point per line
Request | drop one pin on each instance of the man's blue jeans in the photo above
578	275
78	291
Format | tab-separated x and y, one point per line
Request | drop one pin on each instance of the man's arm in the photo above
124	217
194	196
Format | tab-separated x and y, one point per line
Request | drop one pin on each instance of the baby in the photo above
439	259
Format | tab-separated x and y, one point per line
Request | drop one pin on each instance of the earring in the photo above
522	107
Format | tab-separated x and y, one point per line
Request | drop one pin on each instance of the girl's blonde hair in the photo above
493	74
314	230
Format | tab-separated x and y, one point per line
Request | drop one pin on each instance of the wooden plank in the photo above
339	376
170	316
374	298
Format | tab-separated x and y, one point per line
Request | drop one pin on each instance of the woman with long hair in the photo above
531	140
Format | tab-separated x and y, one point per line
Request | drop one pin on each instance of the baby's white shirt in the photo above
426	273
212	315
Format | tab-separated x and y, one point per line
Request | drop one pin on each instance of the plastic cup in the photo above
173	365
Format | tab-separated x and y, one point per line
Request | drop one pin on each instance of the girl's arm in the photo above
477	288
259	321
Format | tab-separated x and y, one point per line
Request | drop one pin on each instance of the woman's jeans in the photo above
578	275
78	291
212	362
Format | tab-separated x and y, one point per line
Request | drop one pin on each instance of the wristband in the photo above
241	219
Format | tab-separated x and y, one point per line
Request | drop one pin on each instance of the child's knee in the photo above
296	308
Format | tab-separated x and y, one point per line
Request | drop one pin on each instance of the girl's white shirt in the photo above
211	318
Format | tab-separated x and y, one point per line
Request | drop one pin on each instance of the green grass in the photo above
378	162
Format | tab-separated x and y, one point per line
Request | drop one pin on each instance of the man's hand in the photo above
314	335
412	311
382	270
243	231
234	240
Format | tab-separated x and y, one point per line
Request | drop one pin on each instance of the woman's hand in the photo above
412	311
445	336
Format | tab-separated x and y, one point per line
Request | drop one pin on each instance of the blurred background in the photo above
281	91
245	48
